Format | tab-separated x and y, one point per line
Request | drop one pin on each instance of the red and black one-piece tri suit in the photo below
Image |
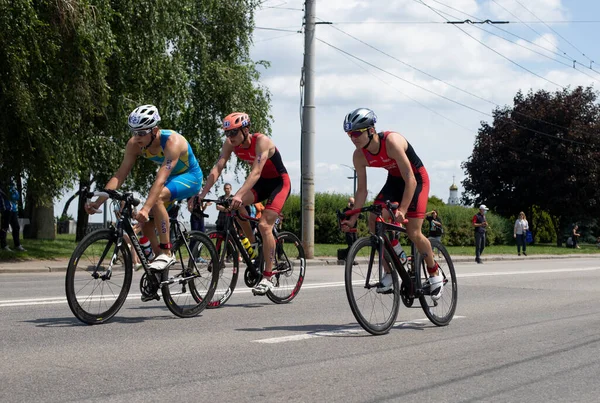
393	190
274	182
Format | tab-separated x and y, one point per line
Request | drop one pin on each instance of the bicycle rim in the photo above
95	289
189	284
439	312
289	265
228	272
375	312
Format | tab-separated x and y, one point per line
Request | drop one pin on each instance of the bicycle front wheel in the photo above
375	312
289	267
228	271
189	284
439	312
98	277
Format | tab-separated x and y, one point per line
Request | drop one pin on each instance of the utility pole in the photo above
308	132
354	177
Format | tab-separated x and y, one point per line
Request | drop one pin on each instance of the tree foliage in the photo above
544	151
72	70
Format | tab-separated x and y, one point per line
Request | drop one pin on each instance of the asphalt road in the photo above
523	331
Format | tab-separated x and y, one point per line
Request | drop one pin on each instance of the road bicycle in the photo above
100	271
366	265
288	267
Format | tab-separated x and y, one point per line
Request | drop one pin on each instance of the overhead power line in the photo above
492	49
552	29
449	84
447	98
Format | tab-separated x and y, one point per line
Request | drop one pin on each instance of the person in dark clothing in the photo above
435	225
223	216
10	216
480	225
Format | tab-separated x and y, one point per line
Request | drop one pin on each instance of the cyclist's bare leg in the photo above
265	226
247	200
161	220
413	230
149	232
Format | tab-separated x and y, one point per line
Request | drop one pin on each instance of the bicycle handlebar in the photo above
115	195
373	208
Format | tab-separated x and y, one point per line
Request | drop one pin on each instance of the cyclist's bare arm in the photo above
264	149
216	170
396	148
174	147
132	151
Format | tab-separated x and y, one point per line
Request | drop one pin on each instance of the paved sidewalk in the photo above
60	265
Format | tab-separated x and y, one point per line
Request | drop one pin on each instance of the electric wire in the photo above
552	29
488	47
449	84
447	98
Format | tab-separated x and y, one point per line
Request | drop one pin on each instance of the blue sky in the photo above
394	86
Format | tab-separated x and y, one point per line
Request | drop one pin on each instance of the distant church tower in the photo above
453	199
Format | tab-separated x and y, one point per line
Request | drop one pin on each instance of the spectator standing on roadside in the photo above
196	208
480	225
435	225
10	216
520	233
575	235
223	216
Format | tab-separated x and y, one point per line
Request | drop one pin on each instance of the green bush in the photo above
459	231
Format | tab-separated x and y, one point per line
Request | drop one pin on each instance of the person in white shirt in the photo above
520	233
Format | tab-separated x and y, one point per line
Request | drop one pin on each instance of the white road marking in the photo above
336	332
305	286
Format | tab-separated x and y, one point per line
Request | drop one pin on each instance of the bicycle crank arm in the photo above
178	280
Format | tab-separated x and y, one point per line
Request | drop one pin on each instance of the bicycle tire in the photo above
228	272
375	312
290	263
86	286
189	284
439	312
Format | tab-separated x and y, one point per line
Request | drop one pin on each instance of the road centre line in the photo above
305	286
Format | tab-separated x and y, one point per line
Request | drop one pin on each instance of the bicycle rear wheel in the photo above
228	272
189	284
289	267
375	312
439	312
98	277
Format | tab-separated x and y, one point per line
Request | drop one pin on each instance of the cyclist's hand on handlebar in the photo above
142	216
348	225
236	202
399	216
91	208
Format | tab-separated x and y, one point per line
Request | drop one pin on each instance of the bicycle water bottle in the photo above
399	251
146	248
248	246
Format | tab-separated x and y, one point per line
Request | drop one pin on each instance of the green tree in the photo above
544	151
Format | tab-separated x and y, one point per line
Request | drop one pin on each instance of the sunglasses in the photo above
357	133
141	133
231	133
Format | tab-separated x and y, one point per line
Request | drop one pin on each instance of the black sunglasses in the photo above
231	133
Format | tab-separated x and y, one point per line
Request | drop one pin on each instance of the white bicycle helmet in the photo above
143	117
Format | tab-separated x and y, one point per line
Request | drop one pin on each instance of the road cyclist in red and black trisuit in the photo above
407	183
268	179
